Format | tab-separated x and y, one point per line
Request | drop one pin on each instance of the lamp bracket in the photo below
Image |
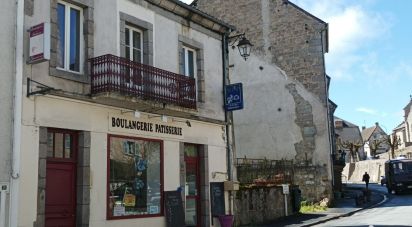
233	39
43	89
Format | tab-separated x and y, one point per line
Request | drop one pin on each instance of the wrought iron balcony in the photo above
112	74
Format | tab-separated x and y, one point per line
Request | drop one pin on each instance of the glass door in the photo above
192	191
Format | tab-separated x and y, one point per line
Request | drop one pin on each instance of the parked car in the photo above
383	180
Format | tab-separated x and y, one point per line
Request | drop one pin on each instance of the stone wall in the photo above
260	205
282	34
284	88
313	182
353	172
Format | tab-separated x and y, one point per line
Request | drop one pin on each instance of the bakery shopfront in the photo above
100	166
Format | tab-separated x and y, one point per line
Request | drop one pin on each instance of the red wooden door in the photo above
60	204
192	189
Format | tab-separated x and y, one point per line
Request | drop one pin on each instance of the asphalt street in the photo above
396	211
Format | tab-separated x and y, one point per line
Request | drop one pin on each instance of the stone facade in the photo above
285	88
282	34
261	205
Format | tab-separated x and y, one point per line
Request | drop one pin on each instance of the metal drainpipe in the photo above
17	108
228	144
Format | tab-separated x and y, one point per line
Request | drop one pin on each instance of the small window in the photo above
69	38
189	61
135	178
60	144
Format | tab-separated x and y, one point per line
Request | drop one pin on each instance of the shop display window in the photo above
135	177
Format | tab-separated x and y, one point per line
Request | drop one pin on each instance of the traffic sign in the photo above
234	97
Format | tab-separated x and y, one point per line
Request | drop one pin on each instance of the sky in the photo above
369	59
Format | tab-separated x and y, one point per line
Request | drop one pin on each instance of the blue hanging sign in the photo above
234	97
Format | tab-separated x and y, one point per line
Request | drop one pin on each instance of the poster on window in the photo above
135	176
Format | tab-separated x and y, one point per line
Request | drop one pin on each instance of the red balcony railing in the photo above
110	73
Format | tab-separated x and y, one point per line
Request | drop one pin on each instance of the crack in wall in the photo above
304	119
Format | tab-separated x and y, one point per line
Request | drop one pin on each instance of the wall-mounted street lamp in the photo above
243	45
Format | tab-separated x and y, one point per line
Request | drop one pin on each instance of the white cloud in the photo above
371	111
351	28
367	110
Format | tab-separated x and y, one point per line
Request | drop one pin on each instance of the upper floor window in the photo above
134	44
69	38
189	61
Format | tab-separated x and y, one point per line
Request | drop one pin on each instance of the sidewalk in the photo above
343	207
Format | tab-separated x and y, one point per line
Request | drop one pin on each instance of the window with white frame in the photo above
189	61
134	44
69	37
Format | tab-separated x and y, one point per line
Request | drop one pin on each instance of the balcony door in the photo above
134	53
190	70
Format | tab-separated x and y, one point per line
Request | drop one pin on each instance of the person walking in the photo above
366	178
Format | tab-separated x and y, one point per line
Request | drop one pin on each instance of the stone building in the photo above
129	106
346	133
286	113
400	133
372	134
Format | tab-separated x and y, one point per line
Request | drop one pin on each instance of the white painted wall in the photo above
261	130
57	112
408	127
8	11
7	66
166	53
51	111
401	134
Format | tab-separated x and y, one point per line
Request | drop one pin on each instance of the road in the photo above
397	211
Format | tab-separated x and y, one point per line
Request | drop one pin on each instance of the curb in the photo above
385	198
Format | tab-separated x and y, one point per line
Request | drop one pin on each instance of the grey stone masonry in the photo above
282	34
88	47
83	180
28	7
41	188
313	182
304	119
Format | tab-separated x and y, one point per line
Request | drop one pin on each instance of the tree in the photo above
353	147
374	145
393	143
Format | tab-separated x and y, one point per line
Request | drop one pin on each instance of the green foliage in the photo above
309	207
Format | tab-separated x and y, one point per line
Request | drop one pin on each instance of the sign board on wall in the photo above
39	43
145	127
217	200
174	209
285	189
234	97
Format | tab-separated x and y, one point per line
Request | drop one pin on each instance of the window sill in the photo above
77	77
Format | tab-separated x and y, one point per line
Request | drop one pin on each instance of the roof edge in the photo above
191	10
306	12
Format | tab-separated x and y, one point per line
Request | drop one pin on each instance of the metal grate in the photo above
110	73
264	172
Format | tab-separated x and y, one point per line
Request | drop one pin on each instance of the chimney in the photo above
338	124
377	123
363	128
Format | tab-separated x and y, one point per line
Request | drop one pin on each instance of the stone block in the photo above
84	139
83	214
41	196
43	135
42	168
42	151
83	195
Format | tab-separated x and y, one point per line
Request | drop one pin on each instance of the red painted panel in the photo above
60	194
